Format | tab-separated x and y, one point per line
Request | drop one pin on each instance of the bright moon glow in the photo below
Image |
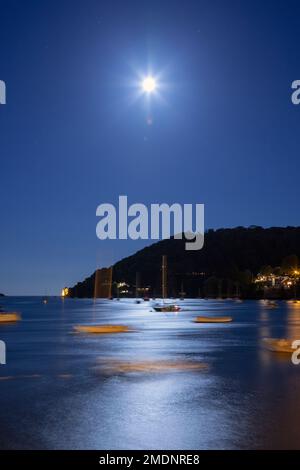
149	84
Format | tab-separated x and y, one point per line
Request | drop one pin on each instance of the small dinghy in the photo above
167	308
213	319
101	329
279	345
126	367
9	317
271	304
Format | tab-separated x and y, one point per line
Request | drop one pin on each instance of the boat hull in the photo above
167	308
213	320
101	329
10	317
279	345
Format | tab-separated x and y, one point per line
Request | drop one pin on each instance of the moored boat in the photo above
271	304
212	319
164	307
279	345
167	308
101	329
135	367
9	317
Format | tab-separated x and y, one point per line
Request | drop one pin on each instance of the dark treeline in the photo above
225	266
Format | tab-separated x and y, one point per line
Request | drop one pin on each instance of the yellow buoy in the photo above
213	319
9	317
101	329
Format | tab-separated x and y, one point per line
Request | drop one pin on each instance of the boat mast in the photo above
164	277
137	284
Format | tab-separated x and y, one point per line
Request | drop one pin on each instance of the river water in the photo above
169	383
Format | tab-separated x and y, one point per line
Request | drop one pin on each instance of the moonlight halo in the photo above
149	84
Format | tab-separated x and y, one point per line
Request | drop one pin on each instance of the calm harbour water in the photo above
57	391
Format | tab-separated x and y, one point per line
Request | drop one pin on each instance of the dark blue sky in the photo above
72	136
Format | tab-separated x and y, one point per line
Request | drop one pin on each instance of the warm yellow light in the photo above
121	284
149	84
64	292
296	272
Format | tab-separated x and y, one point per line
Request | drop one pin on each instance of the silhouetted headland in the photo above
251	263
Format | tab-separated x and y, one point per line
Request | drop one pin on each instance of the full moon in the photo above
149	84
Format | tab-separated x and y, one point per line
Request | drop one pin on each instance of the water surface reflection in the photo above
169	383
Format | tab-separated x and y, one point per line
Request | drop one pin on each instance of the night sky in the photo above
74	132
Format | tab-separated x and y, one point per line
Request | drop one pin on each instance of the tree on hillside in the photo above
289	264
